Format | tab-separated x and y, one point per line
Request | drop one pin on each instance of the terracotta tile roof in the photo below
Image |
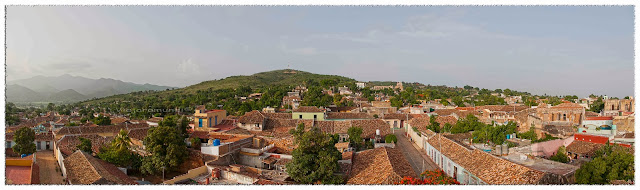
210	111
83	168
139	133
347	155
269	182
343	108
379	166
97	129
283	161
446	119
277	115
504	108
463	114
68	143
591	114
599	118
337	115
583	148
308	109
44	136
369	127
568	105
252	117
199	134
38	136
398	116
422	122
118	120
342	145
444	112
155	119
490	169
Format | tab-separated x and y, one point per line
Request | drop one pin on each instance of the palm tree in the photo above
122	140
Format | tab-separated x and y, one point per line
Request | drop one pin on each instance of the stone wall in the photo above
624	123
626	105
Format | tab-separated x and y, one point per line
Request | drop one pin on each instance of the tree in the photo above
444	102
390	138
24	138
102	120
597	105
118	152
167	147
315	160
433	125
51	107
561	155
611	162
355	137
195	143
122	140
469	123
85	145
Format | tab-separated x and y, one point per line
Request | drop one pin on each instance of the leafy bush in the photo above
390	138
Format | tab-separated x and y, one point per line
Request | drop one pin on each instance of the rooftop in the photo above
542	165
379	166
83	168
18	175
489	168
312	109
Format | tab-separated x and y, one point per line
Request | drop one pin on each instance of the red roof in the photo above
466	108
18	174
209	111
599	118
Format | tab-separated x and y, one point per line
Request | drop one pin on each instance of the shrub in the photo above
390	138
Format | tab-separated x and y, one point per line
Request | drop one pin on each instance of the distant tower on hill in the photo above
399	86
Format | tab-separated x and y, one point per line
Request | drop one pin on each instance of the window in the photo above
315	116
199	122
300	116
455	172
209	124
216	120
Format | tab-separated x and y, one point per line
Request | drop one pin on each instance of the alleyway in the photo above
49	174
416	156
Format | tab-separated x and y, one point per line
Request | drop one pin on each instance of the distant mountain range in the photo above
68	89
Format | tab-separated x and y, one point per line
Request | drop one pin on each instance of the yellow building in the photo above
204	120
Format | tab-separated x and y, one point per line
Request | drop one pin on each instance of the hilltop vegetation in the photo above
219	94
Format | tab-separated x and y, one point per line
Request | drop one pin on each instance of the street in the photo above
49	172
416	156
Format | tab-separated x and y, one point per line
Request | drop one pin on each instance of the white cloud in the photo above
188	67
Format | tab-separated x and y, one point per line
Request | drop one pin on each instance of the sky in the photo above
554	50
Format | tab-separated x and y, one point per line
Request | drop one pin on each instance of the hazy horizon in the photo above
557	50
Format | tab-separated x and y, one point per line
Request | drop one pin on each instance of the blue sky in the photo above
556	50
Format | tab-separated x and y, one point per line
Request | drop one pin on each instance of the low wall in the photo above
17	162
190	174
546	149
240	178
415	137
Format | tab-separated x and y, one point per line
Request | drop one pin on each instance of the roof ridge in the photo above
84	154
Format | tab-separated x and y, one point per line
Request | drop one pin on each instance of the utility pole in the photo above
163	173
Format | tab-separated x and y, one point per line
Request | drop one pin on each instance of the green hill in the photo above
256	81
263	79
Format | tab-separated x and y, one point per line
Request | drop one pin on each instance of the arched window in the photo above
564	117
